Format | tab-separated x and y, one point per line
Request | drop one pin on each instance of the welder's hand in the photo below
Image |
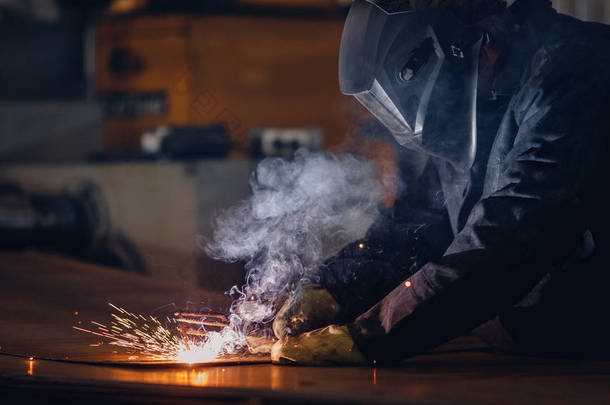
329	346
309	308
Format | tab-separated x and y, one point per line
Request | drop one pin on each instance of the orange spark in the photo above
146	335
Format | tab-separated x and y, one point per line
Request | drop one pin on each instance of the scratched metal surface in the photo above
42	297
465	377
39	295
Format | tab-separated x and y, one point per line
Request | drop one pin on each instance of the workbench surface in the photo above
40	295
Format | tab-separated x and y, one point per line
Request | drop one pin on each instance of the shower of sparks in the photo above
166	339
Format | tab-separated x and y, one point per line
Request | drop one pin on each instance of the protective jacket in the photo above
529	242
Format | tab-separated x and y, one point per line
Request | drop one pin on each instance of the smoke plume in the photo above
300	212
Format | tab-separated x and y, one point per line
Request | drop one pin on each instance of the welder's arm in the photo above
362	274
402	239
529	219
415	231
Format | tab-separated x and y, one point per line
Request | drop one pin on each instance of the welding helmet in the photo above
416	71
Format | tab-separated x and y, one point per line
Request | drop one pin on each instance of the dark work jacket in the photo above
527	260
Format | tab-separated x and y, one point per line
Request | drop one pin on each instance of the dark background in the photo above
82	81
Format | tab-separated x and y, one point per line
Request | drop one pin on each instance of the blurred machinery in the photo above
284	142
74	223
256	64
184	142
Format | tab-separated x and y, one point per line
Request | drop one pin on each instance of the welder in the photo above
509	107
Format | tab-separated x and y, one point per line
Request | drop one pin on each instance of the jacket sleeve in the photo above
404	238
530	218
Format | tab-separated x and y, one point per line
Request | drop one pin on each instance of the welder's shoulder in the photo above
572	63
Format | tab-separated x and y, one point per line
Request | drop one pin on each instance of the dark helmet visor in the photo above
407	66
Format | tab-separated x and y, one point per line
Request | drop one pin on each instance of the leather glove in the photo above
329	346
309	308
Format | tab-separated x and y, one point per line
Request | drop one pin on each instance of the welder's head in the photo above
414	64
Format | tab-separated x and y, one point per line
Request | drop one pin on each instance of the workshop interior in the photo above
304	201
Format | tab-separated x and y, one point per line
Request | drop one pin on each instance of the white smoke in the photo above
300	212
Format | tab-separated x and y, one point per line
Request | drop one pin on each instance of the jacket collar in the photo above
532	18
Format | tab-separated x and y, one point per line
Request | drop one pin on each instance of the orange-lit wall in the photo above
590	10
245	71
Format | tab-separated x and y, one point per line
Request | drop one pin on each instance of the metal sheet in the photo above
44	296
468	377
41	294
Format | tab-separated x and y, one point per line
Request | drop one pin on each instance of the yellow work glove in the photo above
329	346
309	308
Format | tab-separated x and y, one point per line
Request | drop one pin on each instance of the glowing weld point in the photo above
361	245
408	284
31	358
148	337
